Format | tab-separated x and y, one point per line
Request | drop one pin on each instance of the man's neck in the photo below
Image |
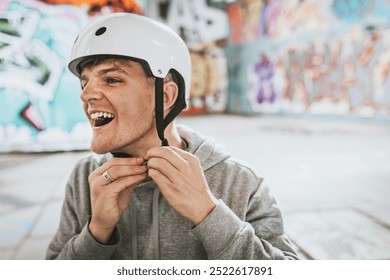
172	135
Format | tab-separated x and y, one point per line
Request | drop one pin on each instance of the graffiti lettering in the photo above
194	20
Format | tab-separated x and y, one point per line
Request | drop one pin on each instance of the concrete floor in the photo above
331	178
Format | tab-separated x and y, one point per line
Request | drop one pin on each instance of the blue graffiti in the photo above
37	92
352	9
355	10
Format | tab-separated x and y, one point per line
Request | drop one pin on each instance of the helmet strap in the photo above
162	123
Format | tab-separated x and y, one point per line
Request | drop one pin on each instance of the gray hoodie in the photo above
246	224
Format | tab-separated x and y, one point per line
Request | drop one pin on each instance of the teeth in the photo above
97	115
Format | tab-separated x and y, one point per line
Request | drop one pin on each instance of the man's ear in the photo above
171	92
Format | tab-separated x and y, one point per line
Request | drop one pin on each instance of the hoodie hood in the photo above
204	148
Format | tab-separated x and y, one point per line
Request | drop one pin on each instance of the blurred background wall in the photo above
327	59
314	74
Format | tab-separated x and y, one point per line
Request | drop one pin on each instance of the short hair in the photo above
172	75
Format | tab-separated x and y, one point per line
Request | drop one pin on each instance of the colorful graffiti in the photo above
204	27
322	57
275	56
94	7
253	19
39	98
39	106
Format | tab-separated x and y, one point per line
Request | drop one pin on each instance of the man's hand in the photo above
182	182
110	200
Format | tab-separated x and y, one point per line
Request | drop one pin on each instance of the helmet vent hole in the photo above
100	31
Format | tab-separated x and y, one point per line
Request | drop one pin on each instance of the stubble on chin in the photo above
98	150
100	147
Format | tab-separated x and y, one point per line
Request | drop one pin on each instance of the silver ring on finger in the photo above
107	177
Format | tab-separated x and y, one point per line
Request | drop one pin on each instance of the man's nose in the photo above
90	92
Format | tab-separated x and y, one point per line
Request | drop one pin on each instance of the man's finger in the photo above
184	154
160	179
166	153
164	167
124	182
120	162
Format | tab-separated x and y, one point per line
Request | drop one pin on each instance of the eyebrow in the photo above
112	69
105	71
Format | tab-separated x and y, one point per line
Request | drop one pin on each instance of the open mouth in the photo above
101	118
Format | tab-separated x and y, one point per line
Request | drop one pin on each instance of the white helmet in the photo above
134	36
141	38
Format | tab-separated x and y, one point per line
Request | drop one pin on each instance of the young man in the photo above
157	190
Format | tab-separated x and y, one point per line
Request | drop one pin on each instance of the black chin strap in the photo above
162	123
121	155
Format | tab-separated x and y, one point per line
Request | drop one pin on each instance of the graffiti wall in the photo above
315	57
39	107
39	98
204	27
327	57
